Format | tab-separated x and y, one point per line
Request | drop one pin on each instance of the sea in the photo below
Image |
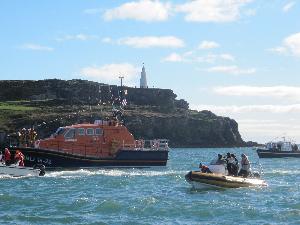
153	195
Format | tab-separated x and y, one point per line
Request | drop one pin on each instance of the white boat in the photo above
279	149
20	171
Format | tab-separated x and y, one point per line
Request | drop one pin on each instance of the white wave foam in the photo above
113	173
6	176
283	172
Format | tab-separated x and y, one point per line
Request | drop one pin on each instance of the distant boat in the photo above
279	149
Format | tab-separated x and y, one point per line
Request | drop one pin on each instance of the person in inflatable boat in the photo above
245	166
204	168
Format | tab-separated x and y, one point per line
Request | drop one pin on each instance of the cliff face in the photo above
86	92
150	113
184	129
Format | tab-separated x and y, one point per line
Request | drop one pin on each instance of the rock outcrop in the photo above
150	113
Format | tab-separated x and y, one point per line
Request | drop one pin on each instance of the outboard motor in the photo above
41	167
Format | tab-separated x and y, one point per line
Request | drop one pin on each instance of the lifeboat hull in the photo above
123	158
204	180
262	153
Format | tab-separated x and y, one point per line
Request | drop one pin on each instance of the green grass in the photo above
15	107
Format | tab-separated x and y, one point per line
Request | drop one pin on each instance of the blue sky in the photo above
238	58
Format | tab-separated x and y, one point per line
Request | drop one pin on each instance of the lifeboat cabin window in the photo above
70	134
90	131
81	131
60	131
98	131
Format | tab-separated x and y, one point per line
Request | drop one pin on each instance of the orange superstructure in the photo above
101	139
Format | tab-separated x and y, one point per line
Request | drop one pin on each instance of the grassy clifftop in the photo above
150	113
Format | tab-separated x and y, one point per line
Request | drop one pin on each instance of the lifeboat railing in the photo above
91	150
148	145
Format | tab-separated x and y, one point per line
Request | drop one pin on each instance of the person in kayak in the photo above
245	166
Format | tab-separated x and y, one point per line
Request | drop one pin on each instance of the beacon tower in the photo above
143	79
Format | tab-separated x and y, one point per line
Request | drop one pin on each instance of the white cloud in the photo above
287	7
212	10
227	56
173	57
250	12
294	108
230	70
264	130
261	122
152	41
111	72
107	40
208	45
36	47
212	58
79	37
278	50
289	92
290	44
192	57
143	10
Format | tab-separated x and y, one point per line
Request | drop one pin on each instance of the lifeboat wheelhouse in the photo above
93	140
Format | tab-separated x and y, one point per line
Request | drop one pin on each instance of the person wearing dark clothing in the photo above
229	163
7	157
235	165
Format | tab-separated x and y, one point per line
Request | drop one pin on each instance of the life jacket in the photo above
245	164
20	158
204	168
230	160
7	155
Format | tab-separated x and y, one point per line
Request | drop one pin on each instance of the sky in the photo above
237	58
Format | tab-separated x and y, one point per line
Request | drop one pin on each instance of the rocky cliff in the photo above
150	113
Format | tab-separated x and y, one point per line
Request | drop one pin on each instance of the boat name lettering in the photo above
39	160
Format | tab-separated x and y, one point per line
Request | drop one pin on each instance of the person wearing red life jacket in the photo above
7	157
19	158
204	168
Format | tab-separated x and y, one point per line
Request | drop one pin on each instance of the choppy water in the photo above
152	196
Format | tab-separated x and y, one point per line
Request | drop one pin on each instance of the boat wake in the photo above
113	173
282	172
6	176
